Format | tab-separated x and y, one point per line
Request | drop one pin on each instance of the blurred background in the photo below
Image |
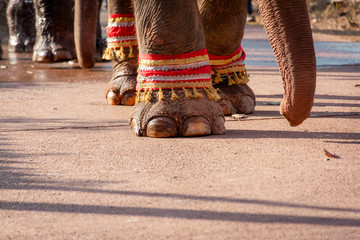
340	17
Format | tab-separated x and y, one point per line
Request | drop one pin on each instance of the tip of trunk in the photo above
293	118
294	124
86	64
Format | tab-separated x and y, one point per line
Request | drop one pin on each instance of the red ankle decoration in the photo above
121	34
230	64
185	71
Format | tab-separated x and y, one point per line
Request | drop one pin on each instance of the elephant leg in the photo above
16	43
54	31
175	96
21	22
100	45
28	25
224	23
123	51
3	24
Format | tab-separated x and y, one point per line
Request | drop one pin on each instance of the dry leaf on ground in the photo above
330	155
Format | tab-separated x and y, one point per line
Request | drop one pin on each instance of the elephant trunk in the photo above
288	28
84	32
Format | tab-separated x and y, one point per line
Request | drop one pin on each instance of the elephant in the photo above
21	23
181	62
51	24
55	30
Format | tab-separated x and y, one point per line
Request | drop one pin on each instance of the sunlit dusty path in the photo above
70	167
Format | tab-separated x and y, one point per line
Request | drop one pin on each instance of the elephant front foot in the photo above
19	45
122	86
229	75
54	31
236	98
49	56
171	113
121	90
47	52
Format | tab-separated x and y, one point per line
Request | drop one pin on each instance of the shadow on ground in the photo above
13	177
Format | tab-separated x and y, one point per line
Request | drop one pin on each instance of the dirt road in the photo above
70	167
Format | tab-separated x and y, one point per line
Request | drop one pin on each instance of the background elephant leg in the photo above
28	24
21	22
16	43
122	86
175	94
54	31
100	46
3	24
224	23
42	50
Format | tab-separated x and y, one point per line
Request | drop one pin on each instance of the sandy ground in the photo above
70	168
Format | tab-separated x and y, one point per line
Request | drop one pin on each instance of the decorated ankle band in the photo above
231	66
120	34
189	72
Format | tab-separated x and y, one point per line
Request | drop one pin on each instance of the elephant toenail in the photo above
161	127
44	56
196	126
246	105
227	107
112	98
128	99
61	55
219	126
135	128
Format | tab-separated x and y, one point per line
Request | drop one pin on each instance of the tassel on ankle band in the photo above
197	95
148	96
174	97
230	80
131	53
237	79
187	94
138	95
217	78
160	95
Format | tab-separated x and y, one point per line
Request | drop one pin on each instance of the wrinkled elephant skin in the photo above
170	29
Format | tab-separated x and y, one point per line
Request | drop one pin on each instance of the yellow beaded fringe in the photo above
240	77
111	53
146	95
